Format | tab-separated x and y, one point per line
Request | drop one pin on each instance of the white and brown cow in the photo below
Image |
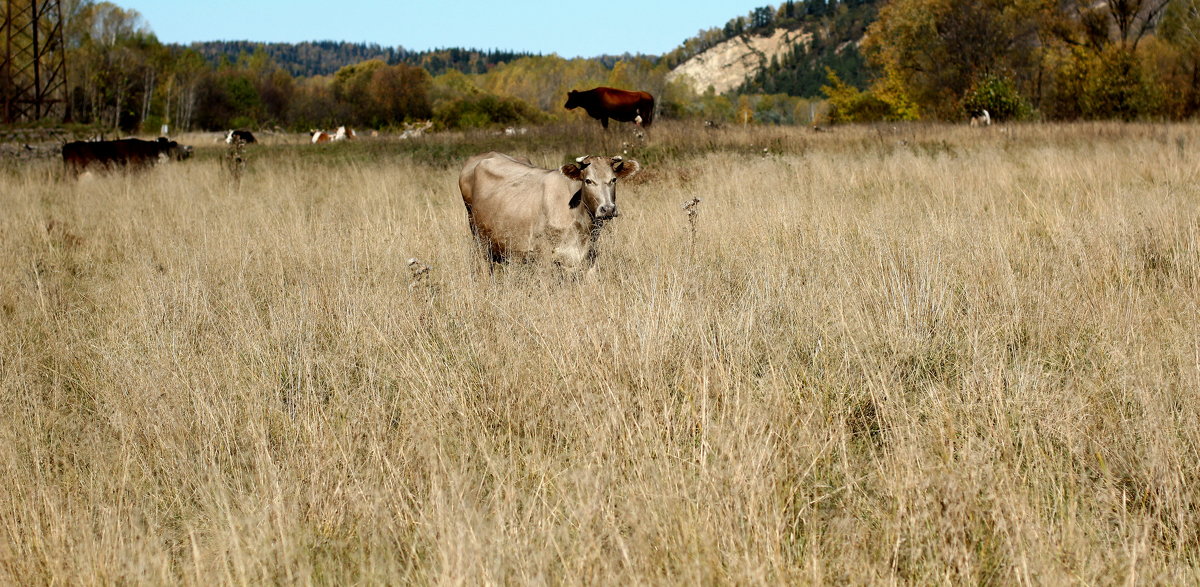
519	211
342	133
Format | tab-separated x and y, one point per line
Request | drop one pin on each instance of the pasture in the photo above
914	354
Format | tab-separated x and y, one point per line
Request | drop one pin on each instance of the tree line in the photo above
309	58
1028	59
931	59
120	76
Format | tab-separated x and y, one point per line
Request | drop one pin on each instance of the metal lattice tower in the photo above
33	71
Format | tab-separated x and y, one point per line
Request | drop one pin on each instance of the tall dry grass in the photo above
911	355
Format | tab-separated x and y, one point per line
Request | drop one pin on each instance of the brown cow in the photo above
519	211
621	105
79	156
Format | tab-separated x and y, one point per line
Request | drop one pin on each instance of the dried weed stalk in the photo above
691	209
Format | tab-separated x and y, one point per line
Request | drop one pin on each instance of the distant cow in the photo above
981	119
244	136
80	156
341	134
620	105
519	211
414	130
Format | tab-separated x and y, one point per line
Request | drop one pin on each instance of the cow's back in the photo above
487	173
622	105
504	197
78	156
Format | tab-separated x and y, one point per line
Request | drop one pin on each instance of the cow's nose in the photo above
607	211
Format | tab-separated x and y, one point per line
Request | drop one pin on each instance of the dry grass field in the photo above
916	354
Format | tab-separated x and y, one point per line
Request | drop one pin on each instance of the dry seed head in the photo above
419	272
417	268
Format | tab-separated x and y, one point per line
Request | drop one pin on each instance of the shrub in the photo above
999	96
483	110
850	104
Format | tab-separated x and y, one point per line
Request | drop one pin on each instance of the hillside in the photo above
728	65
783	50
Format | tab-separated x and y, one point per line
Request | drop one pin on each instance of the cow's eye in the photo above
612	181
589	182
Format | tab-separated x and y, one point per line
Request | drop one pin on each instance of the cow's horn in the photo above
617	159
580	159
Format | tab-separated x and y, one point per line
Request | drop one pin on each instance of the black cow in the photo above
244	136
622	105
79	156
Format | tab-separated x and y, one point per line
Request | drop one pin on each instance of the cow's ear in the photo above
572	171
625	169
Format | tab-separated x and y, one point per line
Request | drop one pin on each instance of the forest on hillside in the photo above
837	31
312	58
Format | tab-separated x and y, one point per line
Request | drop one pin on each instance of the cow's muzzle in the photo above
607	211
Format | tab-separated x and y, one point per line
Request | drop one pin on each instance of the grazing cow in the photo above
413	130
519	211
620	105
79	156
244	136
982	119
341	134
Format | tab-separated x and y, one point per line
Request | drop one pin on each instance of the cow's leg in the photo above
495	257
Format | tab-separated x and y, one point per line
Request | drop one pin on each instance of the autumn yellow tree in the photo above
933	52
544	81
400	92
1181	30
379	94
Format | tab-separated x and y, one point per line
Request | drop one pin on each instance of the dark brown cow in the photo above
79	156
621	105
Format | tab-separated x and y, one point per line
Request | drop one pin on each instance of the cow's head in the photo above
171	150
572	100
599	177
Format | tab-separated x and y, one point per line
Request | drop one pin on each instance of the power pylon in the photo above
33	68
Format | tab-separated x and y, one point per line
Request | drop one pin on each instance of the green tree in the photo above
999	96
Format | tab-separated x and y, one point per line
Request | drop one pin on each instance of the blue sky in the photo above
570	29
